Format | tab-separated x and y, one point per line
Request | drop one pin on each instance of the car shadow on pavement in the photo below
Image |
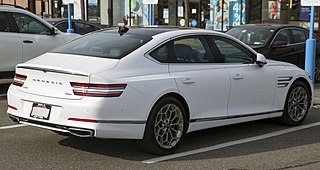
129	150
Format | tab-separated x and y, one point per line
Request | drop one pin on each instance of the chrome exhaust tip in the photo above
81	132
14	119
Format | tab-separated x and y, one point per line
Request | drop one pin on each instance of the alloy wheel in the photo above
168	127
298	104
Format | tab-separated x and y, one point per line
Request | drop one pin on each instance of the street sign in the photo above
310	2
150	2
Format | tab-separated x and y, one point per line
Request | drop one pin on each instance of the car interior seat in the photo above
183	52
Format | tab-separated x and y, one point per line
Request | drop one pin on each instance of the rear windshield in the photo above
104	45
252	36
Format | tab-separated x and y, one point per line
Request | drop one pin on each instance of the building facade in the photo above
209	14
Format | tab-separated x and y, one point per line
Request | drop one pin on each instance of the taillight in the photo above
98	90
19	80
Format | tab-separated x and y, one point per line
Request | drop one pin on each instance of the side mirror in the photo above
261	60
279	44
53	31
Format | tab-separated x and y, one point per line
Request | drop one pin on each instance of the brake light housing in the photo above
97	90
19	80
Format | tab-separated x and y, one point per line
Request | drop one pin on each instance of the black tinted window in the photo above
63	26
299	36
4	24
82	28
104	45
161	54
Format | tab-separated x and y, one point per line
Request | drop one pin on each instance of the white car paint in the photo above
18	47
213	96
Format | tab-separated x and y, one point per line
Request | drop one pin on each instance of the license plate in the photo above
40	111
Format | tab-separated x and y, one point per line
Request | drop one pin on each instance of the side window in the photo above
161	54
27	24
231	51
83	28
192	49
283	36
63	26
4	26
299	36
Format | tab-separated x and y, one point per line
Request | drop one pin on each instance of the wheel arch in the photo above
180	98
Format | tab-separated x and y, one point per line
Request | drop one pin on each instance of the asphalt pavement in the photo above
316	94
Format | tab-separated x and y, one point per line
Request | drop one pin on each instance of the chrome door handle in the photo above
237	77
188	81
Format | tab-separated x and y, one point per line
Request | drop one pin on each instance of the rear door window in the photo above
299	36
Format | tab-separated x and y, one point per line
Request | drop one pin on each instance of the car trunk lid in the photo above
46	76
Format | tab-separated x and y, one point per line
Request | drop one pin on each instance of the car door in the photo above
299	45
252	87
10	46
36	37
204	84
282	48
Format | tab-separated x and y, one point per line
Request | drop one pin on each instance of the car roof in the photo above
148	30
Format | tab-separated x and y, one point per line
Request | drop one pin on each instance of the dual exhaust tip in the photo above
73	131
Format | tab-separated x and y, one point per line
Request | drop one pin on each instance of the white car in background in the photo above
155	84
23	36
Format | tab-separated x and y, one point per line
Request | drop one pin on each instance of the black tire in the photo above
297	104
317	71
171	126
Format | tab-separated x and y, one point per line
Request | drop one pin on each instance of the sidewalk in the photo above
316	100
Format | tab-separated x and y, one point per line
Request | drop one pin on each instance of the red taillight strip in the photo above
82	120
17	83
97	93
97	90
98	86
12	107
19	80
20	76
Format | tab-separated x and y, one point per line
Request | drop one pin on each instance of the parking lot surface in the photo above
255	145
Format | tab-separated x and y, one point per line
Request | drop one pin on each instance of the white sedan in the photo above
156	85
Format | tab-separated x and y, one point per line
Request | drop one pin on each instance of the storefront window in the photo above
138	15
93	9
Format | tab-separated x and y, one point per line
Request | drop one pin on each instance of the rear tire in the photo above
297	104
165	128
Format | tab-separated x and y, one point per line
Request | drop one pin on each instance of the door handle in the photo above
237	77
27	41
188	81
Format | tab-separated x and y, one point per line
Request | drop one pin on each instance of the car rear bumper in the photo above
92	117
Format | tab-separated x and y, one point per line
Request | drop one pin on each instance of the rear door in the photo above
35	36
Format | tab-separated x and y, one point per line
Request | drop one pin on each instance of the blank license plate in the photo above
40	111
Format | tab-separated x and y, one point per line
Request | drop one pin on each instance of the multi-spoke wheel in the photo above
317	70
297	104
166	127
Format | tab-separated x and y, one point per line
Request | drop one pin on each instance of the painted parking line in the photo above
12	126
227	144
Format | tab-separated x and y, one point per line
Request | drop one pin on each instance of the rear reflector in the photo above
98	90
11	107
19	80
83	120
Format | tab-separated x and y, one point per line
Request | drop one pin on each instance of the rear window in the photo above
104	45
